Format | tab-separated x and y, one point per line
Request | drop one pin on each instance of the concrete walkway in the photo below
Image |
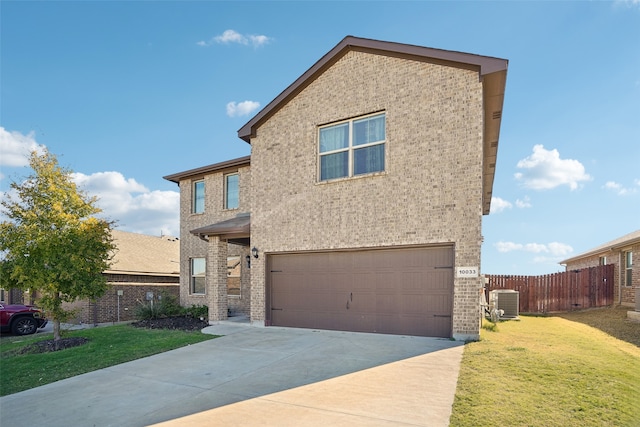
256	376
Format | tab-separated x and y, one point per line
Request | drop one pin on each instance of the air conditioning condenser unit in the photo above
507	300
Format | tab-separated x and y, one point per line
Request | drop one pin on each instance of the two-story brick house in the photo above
360	207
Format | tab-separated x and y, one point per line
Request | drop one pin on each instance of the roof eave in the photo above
177	177
493	87
602	250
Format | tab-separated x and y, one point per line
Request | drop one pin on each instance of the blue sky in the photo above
127	92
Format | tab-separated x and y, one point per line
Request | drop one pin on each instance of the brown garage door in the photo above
391	291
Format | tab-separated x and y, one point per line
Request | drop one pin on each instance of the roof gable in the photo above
492	72
485	65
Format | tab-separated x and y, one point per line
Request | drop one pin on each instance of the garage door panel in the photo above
397	291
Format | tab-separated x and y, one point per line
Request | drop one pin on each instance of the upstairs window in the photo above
231	191
351	148
197	203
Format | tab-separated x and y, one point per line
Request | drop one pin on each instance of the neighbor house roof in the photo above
492	73
140	254
619	243
201	171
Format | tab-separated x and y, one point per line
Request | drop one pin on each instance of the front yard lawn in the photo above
549	371
107	346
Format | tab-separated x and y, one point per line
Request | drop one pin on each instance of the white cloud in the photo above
553	248
544	170
15	148
243	108
232	36
620	189
559	249
132	205
524	203
508	246
499	205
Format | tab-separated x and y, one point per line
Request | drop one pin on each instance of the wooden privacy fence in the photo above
566	291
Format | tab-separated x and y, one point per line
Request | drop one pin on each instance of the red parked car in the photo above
21	319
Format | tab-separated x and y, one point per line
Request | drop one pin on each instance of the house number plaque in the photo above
467	271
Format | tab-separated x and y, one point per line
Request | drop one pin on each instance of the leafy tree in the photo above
52	241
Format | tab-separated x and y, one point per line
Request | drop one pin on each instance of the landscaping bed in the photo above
183	323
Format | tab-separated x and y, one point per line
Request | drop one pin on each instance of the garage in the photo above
404	291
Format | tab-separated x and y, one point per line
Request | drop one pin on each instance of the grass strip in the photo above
107	346
547	371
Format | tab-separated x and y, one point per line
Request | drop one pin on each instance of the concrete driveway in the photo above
259	376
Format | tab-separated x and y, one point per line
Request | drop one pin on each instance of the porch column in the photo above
217	279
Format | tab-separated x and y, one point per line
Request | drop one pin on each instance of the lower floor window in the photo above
198	270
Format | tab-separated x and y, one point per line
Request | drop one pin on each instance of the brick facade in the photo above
112	307
434	188
430	192
192	246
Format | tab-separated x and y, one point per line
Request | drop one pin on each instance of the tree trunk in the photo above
56	334
56	330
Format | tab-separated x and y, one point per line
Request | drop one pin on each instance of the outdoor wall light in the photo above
254	252
248	258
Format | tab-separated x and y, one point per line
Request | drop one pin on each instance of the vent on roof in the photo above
497	114
507	300
494	144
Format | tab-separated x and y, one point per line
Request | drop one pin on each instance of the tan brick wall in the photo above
192	246
430	192
113	308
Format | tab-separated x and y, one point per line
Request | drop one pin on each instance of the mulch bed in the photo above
50	345
182	323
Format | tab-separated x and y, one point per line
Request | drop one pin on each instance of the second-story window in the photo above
231	191
353	147
198	197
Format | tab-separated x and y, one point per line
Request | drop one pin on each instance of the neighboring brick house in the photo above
144	267
624	254
360	207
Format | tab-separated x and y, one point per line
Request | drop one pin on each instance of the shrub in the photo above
165	306
198	311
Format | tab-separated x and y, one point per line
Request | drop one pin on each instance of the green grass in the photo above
548	371
108	346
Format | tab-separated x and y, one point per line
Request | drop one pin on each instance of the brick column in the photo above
217	279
